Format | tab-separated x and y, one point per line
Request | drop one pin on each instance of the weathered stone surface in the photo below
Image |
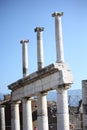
84	102
48	78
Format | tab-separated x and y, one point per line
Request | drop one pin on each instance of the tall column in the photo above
42	115
2	117
42	112
58	36
84	103
26	104
62	101
15	116
40	58
62	110
24	57
27	114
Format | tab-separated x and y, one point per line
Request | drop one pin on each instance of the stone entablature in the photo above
48	78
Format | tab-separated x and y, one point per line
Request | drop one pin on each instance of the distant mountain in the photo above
74	96
75	92
52	95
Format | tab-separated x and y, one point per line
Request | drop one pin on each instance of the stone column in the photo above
24	57
58	36
27	114
62	101
62	110
15	116
42	115
2	117
40	58
84	103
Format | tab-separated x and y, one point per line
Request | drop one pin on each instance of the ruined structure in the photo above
55	76
84	103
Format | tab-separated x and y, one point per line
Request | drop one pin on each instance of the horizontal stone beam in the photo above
48	78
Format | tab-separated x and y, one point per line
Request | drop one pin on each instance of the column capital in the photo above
57	14
16	102
42	94
63	87
27	98
24	41
2	106
39	29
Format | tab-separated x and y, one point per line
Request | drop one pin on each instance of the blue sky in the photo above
18	18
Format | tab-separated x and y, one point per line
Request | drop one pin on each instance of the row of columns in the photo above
27	115
40	55
62	104
42	114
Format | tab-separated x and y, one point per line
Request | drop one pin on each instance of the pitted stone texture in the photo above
48	78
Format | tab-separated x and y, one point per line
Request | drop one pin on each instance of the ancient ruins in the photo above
56	76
